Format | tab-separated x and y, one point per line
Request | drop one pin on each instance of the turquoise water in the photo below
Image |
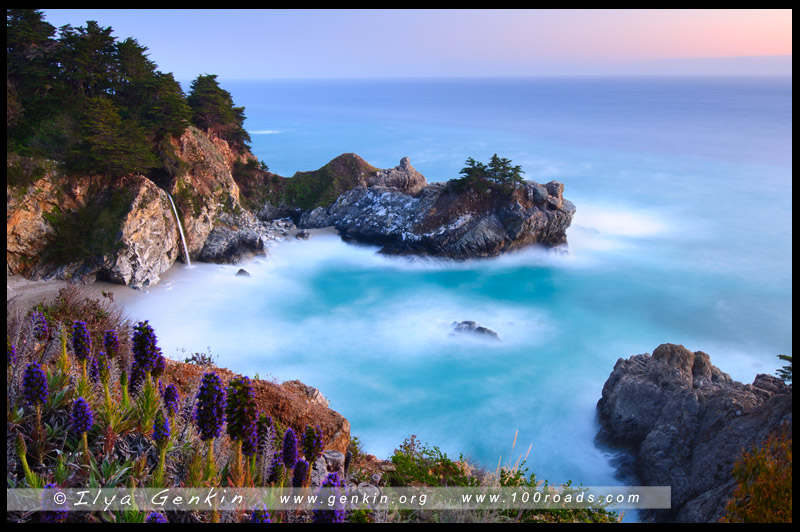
682	234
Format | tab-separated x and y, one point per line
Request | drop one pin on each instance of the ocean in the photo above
683	234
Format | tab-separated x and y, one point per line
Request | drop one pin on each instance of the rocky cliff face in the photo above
143	230
207	188
132	216
400	212
684	423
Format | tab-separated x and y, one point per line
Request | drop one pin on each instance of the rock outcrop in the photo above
206	189
683	423
411	217
133	220
142	228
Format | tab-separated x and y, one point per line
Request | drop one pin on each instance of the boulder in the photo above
682	422
402	177
229	245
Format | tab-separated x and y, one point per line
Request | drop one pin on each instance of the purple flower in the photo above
260	514
146	354
11	352
156	517
159	364
145	350
277	469
300	474
210	409
337	514
40	329
161	429
171	399
81	341
289	448
111	343
34	385
313	442
82	418
52	512
93	369
240	410
250	442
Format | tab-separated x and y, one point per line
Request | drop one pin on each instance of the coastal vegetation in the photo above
498	173
99	105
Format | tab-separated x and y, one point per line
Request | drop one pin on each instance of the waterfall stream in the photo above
180	229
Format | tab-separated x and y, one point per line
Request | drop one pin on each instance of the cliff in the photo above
123	230
684	423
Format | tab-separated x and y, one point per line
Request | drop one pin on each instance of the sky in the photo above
301	44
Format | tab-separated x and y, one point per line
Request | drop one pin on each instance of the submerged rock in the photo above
303	234
470	327
242	273
684	423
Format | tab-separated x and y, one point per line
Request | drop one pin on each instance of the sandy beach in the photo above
22	293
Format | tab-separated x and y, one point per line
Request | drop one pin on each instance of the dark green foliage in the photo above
213	110
99	104
110	146
257	185
785	372
89	232
421	465
308	190
499	173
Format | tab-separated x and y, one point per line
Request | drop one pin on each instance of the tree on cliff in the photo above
30	73
213	110
499	172
110	145
54	84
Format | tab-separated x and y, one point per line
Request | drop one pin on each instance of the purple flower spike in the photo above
81	341
240	410
161	430
82	418
300	474
156	517
40	329
53	513
171	400
210	410
111	343
260	514
11	352
34	385
337	514
289	448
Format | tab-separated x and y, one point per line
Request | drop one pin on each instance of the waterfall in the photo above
180	229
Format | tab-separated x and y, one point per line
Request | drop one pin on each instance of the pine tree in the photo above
214	111
108	144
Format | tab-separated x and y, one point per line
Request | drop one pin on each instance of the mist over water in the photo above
682	234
